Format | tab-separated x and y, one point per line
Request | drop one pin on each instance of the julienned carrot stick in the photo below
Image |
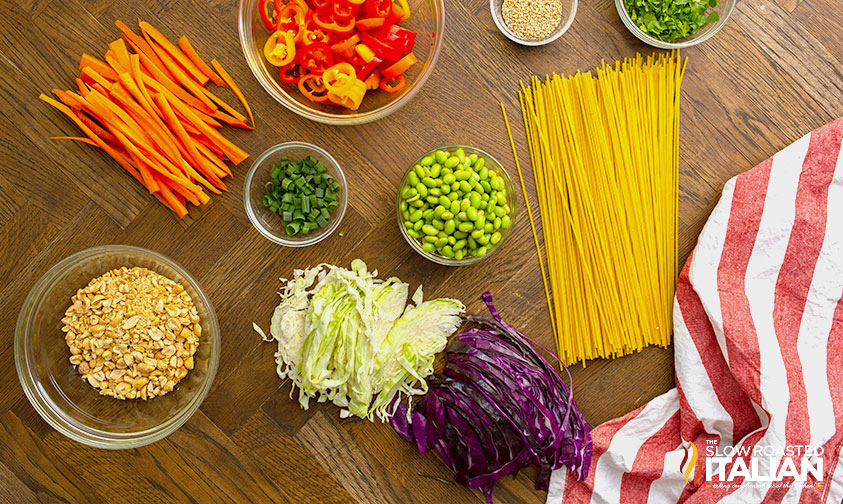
230	83
100	132
234	153
204	142
97	64
228	108
66	111
166	197
139	44
174	52
121	54
221	168
186	141
157	75
161	136
191	53
181	77
159	88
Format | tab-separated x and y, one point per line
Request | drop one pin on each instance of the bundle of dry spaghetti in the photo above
604	155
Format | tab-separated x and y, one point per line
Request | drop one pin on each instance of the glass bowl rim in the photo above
687	42
54	415
253	218
244	28
497	17
445	261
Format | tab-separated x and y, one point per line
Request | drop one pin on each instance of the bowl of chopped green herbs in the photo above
295	194
674	24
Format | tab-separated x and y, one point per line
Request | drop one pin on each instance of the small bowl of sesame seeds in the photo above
533	22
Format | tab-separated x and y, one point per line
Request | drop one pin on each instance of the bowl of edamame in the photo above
456	205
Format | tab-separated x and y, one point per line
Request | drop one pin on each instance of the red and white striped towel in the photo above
758	324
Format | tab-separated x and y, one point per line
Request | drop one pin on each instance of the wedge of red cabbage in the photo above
497	407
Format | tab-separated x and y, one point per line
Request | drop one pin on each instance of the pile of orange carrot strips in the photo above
147	107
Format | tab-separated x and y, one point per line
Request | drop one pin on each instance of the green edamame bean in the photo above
484	197
429	230
483	172
421	189
445	189
408	192
473	179
495	238
501	197
480	252
430	238
447	251
421	171
448	179
416	215
483	205
465	204
438	224
441	156
418	225
459	254
459	244
417	203
413	179
466	227
444	201
438	211
460	153
462	216
432	200
465	186
427	214
461	175
450	226
487	187
428	247
496	183
483	240
446	216
476	233
471	213
497	223
408	224
489	227
480	223
453	196
455	207
435	170
413	233
404	206
505	222
466	164
406	215
427	160
447	171
429	182
471	243
451	162
435	192
441	242
506	209
459	235
479	164
474	199
455	186
472	158
498	211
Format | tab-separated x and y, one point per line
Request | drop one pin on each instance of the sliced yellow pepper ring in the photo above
339	77
280	48
351	97
364	52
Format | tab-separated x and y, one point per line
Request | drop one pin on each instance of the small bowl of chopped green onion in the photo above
674	24
295	194
456	205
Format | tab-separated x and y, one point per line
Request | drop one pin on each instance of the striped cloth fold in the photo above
758	339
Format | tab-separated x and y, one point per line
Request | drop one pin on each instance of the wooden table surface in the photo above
770	76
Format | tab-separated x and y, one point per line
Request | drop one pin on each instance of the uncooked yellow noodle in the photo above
604	151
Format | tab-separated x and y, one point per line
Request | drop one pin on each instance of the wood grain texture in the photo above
770	76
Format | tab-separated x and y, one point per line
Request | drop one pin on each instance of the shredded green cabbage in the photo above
345	336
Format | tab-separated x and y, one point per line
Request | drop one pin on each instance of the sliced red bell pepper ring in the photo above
315	58
388	86
370	23
291	19
395	35
327	21
400	66
280	49
290	73
384	50
379	8
312	87
366	70
268	14
344	9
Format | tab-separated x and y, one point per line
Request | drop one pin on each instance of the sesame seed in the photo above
532	19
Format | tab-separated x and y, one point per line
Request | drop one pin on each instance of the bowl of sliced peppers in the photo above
341	61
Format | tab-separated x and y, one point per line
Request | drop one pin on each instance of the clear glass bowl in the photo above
270	224
427	19
569	11
57	391
511	200
724	8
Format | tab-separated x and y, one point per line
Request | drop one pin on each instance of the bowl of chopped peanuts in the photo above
116	346
533	22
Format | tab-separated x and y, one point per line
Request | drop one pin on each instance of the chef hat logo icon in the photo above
689	461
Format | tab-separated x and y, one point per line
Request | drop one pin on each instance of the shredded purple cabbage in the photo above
497	407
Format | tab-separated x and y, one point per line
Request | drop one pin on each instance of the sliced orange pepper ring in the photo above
339	78
313	88
280	48
388	86
400	66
